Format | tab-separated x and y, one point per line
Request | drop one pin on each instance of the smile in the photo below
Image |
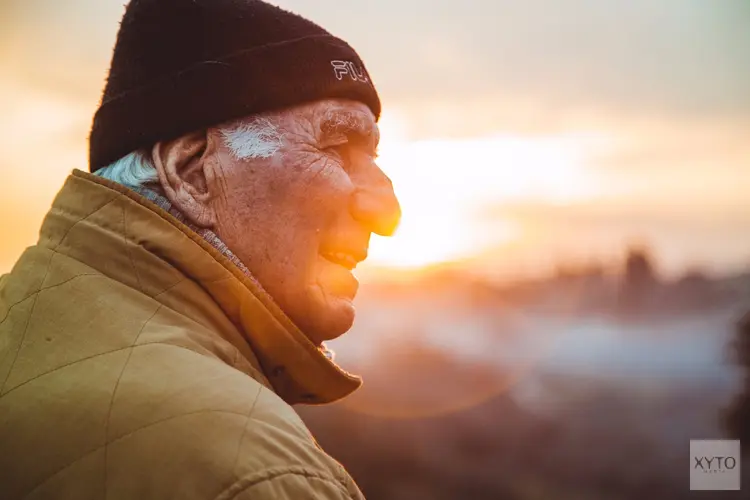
343	259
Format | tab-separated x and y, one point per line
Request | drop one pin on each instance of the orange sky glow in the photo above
506	160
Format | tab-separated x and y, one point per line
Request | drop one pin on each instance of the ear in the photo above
185	176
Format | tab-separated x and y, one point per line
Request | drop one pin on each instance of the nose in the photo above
374	204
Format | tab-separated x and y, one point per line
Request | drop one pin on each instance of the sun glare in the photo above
444	185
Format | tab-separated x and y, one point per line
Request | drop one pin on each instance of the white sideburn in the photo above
257	138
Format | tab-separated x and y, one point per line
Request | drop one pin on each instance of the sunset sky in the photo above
516	133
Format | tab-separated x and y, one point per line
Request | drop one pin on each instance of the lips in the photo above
344	258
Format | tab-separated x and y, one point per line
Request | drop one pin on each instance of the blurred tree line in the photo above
737	416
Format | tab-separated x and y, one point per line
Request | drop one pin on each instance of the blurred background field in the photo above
556	314
585	384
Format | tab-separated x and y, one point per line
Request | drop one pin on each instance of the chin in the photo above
326	308
320	302
327	316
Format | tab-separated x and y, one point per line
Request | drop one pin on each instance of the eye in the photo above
337	151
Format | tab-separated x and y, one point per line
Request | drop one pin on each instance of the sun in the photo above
444	185
425	236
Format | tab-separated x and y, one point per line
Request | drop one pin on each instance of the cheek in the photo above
285	205
317	190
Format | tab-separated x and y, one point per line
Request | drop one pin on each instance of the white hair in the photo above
134	170
253	138
256	138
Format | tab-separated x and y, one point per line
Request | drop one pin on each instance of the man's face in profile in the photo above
301	218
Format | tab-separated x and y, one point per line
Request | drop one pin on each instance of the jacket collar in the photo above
212	239
163	247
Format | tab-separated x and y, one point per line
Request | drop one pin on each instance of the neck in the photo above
159	199
212	238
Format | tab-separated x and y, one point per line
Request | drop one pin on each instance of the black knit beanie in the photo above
185	65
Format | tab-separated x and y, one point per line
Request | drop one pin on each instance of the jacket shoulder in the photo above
279	458
291	483
209	429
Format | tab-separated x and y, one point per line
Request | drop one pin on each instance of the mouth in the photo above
345	258
333	285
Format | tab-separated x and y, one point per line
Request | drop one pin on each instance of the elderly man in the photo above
178	299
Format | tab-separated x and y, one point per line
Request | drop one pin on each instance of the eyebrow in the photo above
351	123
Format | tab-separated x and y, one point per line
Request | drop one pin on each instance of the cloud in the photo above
678	57
603	214
512	64
714	237
454	69
61	48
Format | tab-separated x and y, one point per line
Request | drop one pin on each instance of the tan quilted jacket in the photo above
137	362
